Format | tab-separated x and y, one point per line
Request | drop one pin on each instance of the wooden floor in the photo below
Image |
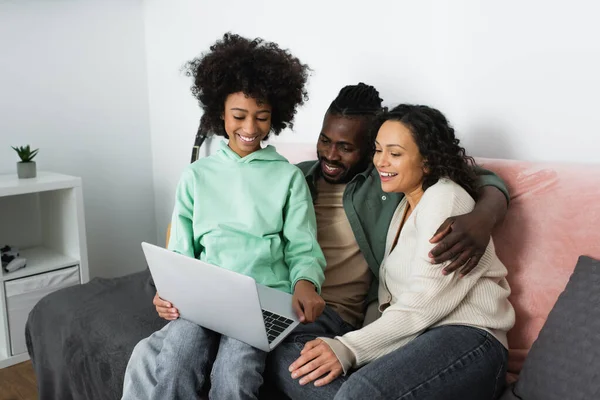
18	382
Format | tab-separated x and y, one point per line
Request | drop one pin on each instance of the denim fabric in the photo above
175	363
237	373
444	363
329	324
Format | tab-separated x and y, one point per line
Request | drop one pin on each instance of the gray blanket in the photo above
80	338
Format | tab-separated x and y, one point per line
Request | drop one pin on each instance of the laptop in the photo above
221	300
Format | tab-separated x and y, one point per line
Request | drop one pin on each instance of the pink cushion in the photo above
554	217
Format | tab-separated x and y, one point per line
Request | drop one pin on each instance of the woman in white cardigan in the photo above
439	336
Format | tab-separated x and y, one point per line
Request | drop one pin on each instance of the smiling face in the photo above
398	159
247	122
342	148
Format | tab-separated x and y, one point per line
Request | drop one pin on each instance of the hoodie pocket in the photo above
258	257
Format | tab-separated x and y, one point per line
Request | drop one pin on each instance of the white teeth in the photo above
331	169
387	174
247	139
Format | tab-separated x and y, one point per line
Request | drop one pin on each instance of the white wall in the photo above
518	79
73	83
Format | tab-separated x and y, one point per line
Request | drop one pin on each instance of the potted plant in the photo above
26	167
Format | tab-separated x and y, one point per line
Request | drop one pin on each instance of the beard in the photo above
346	172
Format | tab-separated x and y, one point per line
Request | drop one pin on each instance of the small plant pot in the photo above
26	170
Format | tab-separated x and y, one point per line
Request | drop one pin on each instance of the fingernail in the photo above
302	381
444	272
294	375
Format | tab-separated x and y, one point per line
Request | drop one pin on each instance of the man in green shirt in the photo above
353	216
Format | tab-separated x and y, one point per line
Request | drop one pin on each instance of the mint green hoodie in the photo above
253	215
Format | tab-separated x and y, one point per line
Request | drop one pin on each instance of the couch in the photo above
80	338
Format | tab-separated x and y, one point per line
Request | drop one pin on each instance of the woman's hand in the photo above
316	359
165	309
306	302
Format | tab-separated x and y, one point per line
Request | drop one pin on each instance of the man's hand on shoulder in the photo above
306	302
462	239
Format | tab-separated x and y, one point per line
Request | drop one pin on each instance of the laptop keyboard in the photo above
275	324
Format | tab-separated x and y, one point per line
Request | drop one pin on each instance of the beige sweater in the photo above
419	296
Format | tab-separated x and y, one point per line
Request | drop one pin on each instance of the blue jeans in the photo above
444	363
175	363
329	324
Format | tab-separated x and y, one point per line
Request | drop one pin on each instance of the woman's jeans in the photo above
443	363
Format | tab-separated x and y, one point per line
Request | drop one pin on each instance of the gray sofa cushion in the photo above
564	362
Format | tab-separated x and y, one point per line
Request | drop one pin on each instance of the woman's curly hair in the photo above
257	68
441	151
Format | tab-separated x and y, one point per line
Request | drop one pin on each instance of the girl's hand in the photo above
306	302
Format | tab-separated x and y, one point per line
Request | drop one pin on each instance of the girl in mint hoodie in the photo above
245	208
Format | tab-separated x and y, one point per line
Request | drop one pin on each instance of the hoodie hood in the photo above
266	154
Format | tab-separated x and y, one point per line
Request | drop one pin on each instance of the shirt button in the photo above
383	197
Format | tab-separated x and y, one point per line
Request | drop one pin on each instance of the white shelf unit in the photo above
43	217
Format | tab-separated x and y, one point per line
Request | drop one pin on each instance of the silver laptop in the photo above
221	300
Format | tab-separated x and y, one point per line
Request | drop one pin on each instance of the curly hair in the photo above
257	68
441	151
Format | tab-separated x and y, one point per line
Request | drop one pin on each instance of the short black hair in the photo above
259	69
443	156
356	100
359	101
